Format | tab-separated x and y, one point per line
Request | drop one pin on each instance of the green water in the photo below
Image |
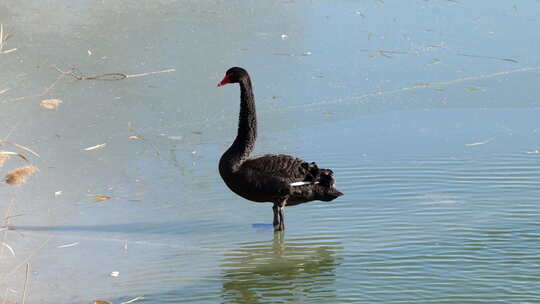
426	111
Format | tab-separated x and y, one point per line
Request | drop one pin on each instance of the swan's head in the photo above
233	75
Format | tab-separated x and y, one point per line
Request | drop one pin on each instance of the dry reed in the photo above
3	159
18	176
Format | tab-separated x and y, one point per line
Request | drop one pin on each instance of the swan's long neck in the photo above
247	127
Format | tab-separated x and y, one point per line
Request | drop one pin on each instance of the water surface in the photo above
425	110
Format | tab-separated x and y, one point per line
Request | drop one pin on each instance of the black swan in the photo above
276	178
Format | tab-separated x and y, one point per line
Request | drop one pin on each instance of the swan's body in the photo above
276	178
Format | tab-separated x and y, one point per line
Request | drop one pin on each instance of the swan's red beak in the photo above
224	81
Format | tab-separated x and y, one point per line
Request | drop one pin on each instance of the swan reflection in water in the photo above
296	270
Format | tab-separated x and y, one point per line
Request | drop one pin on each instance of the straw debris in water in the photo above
8	247
5	155
18	176
126	302
3	159
99	197
50	104
95	147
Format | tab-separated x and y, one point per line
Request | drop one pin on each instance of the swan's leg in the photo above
277	217
281	210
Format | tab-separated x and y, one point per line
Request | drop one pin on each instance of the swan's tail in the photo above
325	179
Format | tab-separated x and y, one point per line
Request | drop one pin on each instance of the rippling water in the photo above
425	110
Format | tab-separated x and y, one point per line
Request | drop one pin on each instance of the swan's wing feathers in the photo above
282	175
287	168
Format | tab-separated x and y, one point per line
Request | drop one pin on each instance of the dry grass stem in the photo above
50	104
360	97
150	73
294	55
68	245
8	51
137	136
45	92
18	176
385	52
3	159
133	300
127	302
7	218
99	197
18	146
6	225
488	57
26	260
109	76
7	154
95	147
24	148
480	142
3	40
25	283
5	297
8	247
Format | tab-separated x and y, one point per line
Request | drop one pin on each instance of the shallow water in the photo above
425	110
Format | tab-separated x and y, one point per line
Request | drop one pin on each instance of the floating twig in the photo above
99	197
150	73
133	300
12	216
488	57
109	76
3	40
385	52
44	93
50	104
294	55
480	142
8	247
4	155
6	225
68	245
19	146
2	37
137	136
106	76
95	147
26	260
5	296
25	283
359	97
